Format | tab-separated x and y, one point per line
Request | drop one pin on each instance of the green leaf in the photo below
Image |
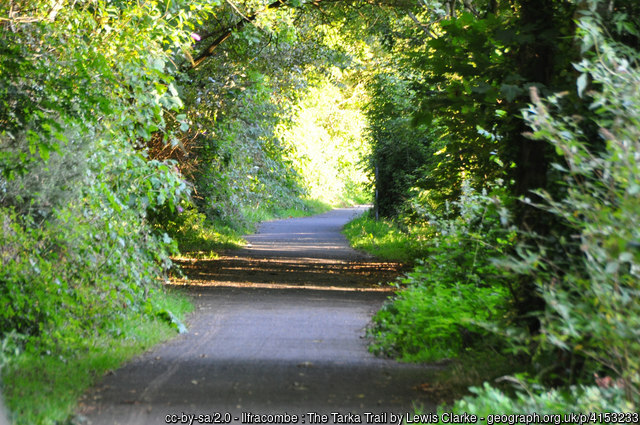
511	91
44	151
581	83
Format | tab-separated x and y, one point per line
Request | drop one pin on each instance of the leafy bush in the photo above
87	262
84	86
242	167
532	399
400	151
454	291
593	307
432	320
592	304
194	232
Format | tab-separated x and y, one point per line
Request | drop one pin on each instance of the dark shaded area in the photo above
242	271
263	351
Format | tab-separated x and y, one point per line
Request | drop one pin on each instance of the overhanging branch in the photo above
226	33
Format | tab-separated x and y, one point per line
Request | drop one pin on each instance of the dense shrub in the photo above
400	151
592	302
575	259
87	261
84	86
533	399
593	309
241	165
455	290
434	321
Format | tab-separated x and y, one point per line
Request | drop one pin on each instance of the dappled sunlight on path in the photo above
280	272
308	252
279	328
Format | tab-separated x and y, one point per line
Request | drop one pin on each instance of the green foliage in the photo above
419	137
385	239
99	129
432	320
455	291
169	318
311	207
532	399
593	305
327	144
44	388
84	86
469	76
589	328
305	208
400	152
469	81
194	233
80	266
271	129
242	161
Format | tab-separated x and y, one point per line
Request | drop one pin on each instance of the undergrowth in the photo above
452	380
196	234
454	290
432	320
578	347
385	239
44	388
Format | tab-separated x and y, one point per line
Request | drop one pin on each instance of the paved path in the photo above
279	329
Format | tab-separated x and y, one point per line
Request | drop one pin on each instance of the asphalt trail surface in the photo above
279	328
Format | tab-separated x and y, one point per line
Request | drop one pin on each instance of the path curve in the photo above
279	328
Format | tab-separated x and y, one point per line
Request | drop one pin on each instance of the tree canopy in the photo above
504	130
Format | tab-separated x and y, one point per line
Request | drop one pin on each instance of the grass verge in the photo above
205	239
197	236
385	239
44	389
